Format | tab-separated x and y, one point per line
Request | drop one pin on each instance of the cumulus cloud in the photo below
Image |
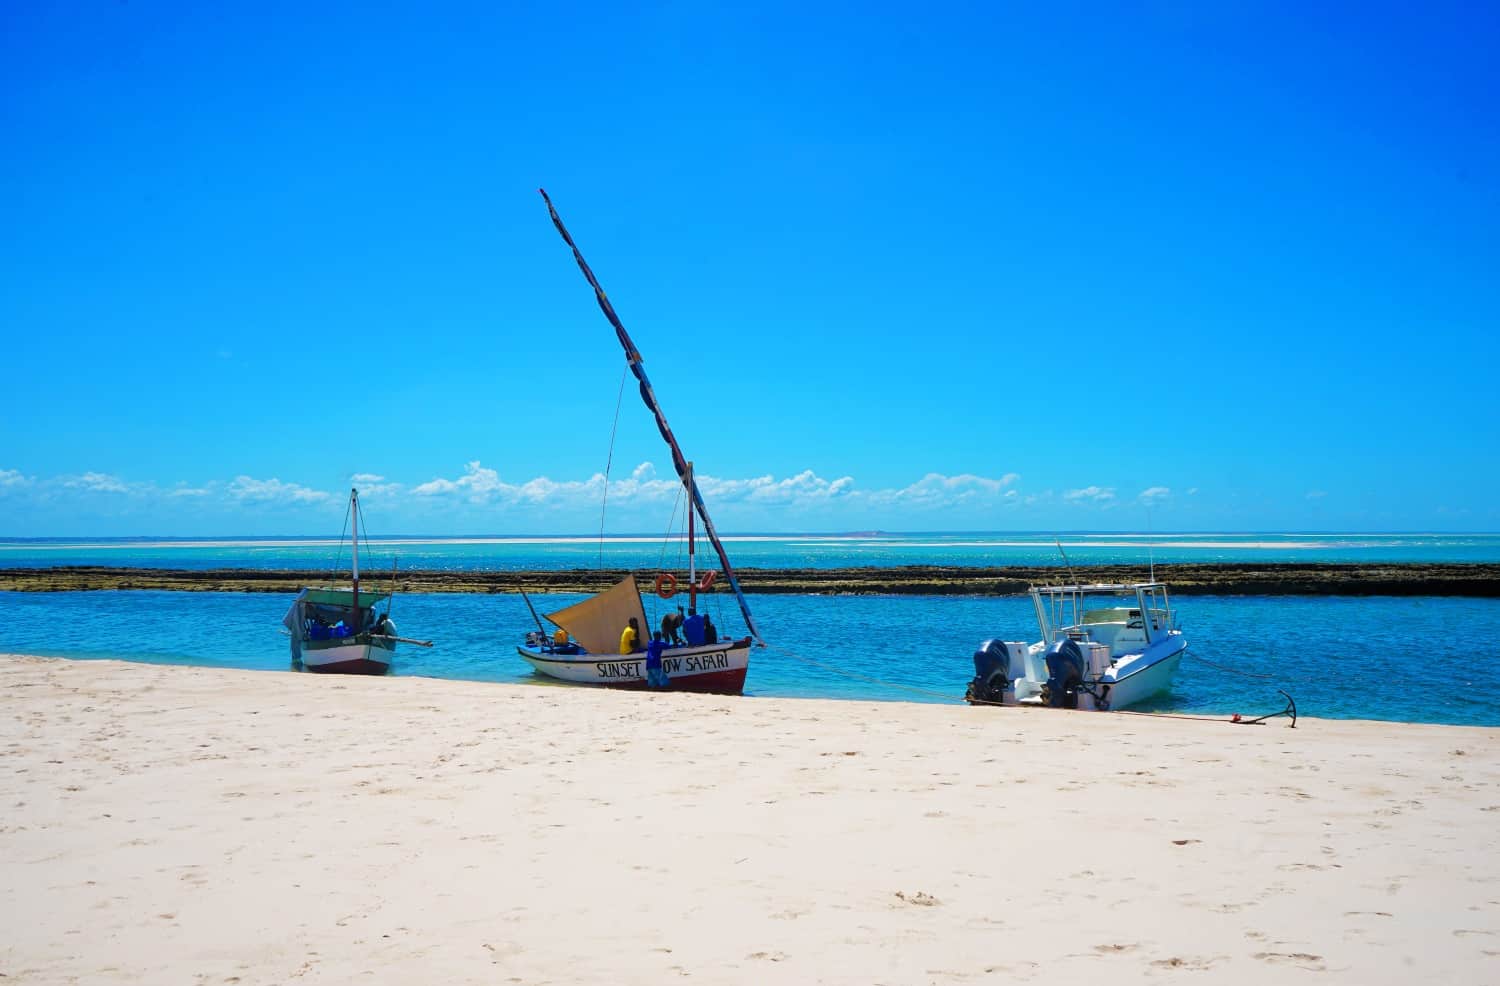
1154	494
96	482
1316	494
369	484
1091	494
11	479
938	490
478	482
249	490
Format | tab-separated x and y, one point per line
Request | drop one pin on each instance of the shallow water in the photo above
779	551
1341	657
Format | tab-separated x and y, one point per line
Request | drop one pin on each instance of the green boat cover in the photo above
343	597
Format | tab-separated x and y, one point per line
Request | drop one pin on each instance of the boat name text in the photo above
716	661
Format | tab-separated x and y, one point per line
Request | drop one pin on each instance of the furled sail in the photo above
598	621
679	463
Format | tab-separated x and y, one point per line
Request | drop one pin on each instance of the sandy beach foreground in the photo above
179	825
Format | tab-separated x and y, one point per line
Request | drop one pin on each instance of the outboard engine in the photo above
991	674
1064	674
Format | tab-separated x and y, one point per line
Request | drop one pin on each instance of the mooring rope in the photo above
1236	718
863	677
1247	674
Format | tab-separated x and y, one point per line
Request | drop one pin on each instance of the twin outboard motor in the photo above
991	674
1064	674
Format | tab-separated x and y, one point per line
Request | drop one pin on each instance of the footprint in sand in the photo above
919	898
1195	963
1301	960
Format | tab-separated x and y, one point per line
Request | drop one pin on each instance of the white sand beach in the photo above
189	825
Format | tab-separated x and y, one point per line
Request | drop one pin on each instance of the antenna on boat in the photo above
1058	541
1150	555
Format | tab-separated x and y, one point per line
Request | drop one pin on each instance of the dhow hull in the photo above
716	668
348	658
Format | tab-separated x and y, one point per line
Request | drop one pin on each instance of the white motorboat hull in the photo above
718	668
1131	682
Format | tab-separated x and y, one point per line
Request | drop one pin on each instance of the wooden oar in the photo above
401	640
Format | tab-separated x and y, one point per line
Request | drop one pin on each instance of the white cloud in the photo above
1155	494
1316	494
936	489
96	482
12	478
1093	494
807	486
247	489
371	485
435	487
1193	491
479	483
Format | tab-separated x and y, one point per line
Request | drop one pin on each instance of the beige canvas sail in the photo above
596	622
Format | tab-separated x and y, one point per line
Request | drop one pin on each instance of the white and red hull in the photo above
348	658
718	668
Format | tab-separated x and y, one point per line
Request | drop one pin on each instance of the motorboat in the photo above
1102	647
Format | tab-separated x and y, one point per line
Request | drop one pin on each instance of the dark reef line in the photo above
1395	579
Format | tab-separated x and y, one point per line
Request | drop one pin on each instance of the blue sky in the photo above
950	267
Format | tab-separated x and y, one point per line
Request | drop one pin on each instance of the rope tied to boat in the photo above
1235	719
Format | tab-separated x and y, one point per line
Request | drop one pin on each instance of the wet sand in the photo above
178	825
1478	580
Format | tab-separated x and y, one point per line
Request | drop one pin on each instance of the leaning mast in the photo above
679	463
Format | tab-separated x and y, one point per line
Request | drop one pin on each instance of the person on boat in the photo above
559	637
630	637
710	632
671	627
656	675
382	626
692	628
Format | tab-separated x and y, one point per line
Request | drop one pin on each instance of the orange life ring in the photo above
707	581
666	585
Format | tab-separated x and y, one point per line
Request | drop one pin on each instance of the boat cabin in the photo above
1093	614
330	614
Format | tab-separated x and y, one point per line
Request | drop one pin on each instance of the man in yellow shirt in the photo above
630	638
559	637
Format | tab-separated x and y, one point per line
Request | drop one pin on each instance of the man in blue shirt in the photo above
656	675
692	628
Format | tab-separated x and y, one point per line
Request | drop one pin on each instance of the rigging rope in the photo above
338	557
610	461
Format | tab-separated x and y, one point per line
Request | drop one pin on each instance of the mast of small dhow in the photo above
692	568
354	516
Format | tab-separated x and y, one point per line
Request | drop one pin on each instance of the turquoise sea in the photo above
755	551
1396	659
